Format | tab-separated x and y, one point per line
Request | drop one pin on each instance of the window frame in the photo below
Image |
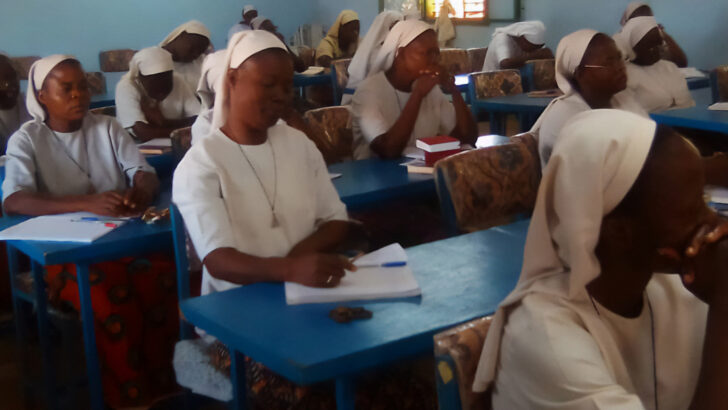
517	14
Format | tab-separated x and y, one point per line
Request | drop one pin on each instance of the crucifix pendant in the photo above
275	223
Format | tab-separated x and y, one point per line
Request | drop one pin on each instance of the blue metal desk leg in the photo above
93	370
237	377
345	392
41	303
21	334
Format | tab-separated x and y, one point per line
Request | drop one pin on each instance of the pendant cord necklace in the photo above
68	154
271	203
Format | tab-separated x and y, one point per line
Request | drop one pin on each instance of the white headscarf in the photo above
631	8
36	76
191	27
595	162
257	22
534	31
212	69
400	36
569	53
248	8
241	47
633	31
148	61
362	61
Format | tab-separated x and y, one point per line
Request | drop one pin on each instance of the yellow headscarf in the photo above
345	16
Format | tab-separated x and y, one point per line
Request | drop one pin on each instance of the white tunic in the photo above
659	87
225	206
502	46
190	72
562	110
201	126
545	339
99	157
11	120
180	103
377	105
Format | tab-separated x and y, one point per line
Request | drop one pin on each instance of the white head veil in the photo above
631	8
400	36
361	62
241	47
191	27
148	61
248	8
633	31
569	53
595	162
257	22
534	31
212	69
36	76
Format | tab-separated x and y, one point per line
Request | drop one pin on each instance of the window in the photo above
463	10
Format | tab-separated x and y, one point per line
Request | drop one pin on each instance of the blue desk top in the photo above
698	117
132	238
300	80
369	181
462	278
518	103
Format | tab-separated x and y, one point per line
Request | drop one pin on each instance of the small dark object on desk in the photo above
153	215
343	314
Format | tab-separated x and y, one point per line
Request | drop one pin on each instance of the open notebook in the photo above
365	283
81	227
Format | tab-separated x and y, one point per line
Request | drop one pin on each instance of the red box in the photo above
432	157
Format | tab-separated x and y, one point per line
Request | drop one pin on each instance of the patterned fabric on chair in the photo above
460	347
332	132
181	141
110	111
22	65
115	60
490	186
306	54
543	74
477	58
496	83
719	80
340	75
96	82
456	60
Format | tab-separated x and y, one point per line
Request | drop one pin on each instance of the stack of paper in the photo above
716	194
719	106
75	227
692	72
365	283
155	146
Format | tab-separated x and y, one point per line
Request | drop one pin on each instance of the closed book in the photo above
418	166
432	157
438	143
149	150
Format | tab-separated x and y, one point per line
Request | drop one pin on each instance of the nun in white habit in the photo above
212	69
188	44
513	45
657	84
377	104
552	344
133	100
259	200
12	102
98	157
364	58
602	77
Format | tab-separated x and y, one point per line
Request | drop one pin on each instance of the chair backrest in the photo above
540	75
477	58
306	54
491	186
457	353
339	77
22	65
719	83
109	110
115	60
456	60
333	136
491	84
96	82
181	141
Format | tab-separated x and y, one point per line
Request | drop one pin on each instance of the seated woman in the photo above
591	324
67	160
12	105
151	99
341	41
187	44
670	50
263	23
513	45
249	13
401	100
591	74
657	84
364	58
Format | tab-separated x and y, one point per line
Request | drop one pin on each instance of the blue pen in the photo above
397	264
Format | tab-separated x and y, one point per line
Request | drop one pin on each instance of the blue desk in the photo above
698	83
131	239
698	117
462	278
300	80
369	181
